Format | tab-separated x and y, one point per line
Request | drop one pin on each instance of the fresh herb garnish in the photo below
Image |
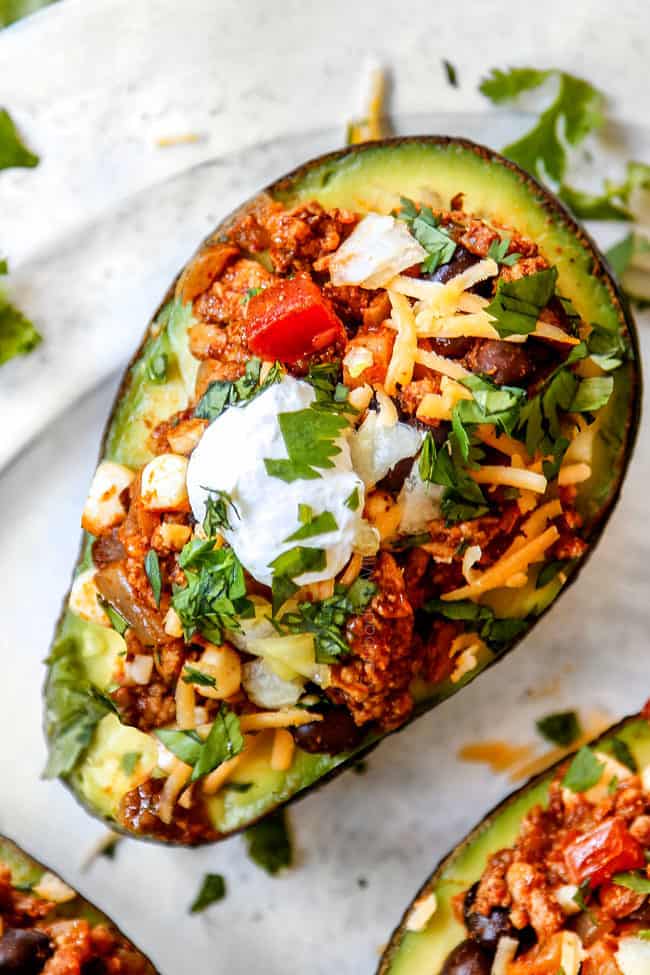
581	894
269	843
327	619
633	881
224	393
426	229
217	512
539	420
213	889
607	349
13	151
353	500
561	728
623	754
18	336
584	771
288	566
592	393
550	570
224	741
310	437
612	785
331	395
312	525
193	676
463	498
517	304
152	568
499	252
215	595
118	622
128	762
496	633
451	73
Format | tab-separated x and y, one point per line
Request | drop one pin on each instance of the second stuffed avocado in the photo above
374	430
46	926
555	879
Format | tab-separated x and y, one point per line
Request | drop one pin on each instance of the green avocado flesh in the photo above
372	177
27	873
424	952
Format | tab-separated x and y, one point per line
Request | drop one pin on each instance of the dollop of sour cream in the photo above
230	457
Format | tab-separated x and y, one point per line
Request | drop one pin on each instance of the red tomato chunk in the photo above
605	850
291	319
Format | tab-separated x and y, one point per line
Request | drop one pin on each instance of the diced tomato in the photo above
291	319
603	851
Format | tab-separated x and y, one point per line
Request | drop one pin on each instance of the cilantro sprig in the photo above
463	498
426	228
214	597
584	771
310	437
223	742
499	252
517	304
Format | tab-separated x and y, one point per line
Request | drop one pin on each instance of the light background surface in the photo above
94	233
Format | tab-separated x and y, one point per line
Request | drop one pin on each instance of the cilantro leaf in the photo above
592	394
269	843
213	889
496	633
18	336
499	252
310	439
288	566
331	395
224	393
353	501
426	229
581	894
496	405
517	304
502	86
633	881
224	741
584	771
318	525
217	515
607	349
152	568
539	420
463	498
327	618
118	622
549	571
561	728
623	754
13	152
193	676
215	594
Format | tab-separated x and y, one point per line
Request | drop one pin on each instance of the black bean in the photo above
452	348
396	476
23	951
505	363
336	733
487	929
467	958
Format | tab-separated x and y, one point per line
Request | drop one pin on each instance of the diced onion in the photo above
422	911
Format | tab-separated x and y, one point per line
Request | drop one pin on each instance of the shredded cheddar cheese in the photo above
277	719
515	477
400	367
438	363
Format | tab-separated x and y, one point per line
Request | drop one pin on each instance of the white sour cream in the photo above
230	457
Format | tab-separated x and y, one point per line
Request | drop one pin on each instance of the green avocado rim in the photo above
360	177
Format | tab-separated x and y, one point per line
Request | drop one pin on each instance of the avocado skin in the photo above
319	175
27	870
399	958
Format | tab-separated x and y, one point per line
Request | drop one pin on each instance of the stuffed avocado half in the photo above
372	432
46	926
555	879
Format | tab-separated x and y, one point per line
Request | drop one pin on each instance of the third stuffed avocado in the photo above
555	879
373	431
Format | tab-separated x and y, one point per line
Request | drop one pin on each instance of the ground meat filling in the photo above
395	638
562	875
33	939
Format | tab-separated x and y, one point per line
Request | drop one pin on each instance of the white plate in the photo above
364	844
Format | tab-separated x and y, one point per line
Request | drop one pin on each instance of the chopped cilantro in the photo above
224	393
517	304
269	843
496	633
217	515
13	152
561	728
314	525
463	498
496	405
117	620
607	349
331	395
213	889
193	676
326	619
128	762
633	881
612	785
623	754
502	86
584	771
426	229
450	73
353	500
288	566
152	568
591	394
539	422
549	571
215	594
310	437
224	741
18	336
581	894
499	252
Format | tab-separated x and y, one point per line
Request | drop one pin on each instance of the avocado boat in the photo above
554	879
45	926
376	426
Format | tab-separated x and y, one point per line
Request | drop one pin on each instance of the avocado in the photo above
87	740
424	952
26	947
